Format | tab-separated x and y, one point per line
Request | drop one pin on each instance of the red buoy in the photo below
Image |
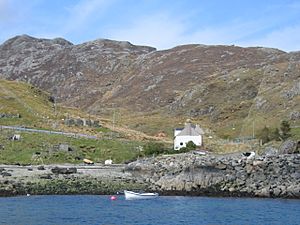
113	198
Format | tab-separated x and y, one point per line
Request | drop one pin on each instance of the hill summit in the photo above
227	88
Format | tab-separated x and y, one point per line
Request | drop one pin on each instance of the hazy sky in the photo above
158	23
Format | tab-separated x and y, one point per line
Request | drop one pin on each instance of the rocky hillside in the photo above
227	87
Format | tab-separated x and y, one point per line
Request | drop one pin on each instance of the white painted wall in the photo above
181	141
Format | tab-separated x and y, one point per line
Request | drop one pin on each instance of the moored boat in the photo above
130	195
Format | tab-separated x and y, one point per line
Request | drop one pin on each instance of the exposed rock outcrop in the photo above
228	175
58	170
185	174
289	147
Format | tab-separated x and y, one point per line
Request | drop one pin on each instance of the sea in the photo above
164	210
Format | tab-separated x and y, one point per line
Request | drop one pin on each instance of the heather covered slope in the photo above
228	89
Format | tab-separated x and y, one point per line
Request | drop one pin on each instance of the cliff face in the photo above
227	175
224	84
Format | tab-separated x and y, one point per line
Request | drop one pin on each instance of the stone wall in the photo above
81	122
7	115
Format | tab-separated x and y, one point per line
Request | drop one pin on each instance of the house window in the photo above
181	143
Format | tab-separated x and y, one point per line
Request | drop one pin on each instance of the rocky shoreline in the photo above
65	180
274	176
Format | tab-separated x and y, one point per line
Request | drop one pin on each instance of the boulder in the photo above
5	174
65	148
96	124
294	190
69	122
264	192
46	176
221	166
288	147
63	170
295	115
79	122
41	168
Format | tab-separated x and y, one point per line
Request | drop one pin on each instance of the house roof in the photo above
191	130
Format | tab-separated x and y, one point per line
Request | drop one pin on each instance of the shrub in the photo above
264	135
285	130
191	145
153	148
275	135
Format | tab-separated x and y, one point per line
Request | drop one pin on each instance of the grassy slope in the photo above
37	111
31	144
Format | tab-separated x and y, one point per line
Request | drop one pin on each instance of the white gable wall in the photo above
181	141
177	131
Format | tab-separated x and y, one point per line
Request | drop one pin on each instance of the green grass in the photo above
102	129
22	151
153	123
295	133
33	105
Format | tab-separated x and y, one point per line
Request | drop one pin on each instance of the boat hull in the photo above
130	195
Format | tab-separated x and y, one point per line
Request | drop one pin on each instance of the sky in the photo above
158	23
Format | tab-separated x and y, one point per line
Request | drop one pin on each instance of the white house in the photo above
189	133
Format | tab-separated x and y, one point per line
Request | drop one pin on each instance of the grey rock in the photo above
221	166
5	174
265	176
295	115
288	147
264	192
81	122
41	168
6	115
293	190
296	175
269	151
46	176
63	170
293	92
276	192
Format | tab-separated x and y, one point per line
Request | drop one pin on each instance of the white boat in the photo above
130	195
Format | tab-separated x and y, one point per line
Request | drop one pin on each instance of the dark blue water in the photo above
91	209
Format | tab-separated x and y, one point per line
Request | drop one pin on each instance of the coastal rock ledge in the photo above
276	176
